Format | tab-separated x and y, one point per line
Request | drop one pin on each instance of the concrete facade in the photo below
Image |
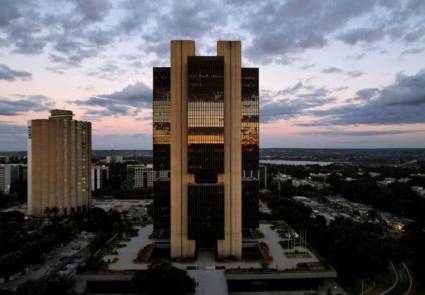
59	164
231	245
181	246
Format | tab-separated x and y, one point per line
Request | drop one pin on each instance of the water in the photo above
295	163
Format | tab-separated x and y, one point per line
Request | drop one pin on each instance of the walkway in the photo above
403	283
210	282
128	253
280	261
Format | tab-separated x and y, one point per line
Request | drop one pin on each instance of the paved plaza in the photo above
124	259
128	253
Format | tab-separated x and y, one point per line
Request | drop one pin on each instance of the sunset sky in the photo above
333	73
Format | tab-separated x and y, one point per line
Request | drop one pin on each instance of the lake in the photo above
295	163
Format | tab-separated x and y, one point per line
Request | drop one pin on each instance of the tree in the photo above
10	264
52	285
163	279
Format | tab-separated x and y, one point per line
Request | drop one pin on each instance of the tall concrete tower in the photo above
205	134
59	164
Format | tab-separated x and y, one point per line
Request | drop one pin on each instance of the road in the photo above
404	281
55	260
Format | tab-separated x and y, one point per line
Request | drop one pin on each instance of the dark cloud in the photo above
131	99
12	137
108	72
307	66
356	56
355	74
368	35
413	51
8	74
93	10
415	35
71	31
402	102
34	103
8	12
292	102
332	70
367	93
292	89
294	26
74	32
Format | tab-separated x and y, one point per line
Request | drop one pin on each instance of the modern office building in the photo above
205	149
140	175
99	176
59	164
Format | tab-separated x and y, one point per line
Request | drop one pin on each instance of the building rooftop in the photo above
64	114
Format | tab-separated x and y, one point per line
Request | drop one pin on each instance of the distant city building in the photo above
206	133
5	178
4	159
307	182
319	176
99	175
59	164
403	180
262	176
114	159
10	173
280	177
419	190
140	175
386	181
374	174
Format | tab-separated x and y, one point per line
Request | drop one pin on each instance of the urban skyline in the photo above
334	74
131	160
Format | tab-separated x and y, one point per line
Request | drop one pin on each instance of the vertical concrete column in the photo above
232	243
67	167
73	171
60	184
44	164
180	245
89	157
51	164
